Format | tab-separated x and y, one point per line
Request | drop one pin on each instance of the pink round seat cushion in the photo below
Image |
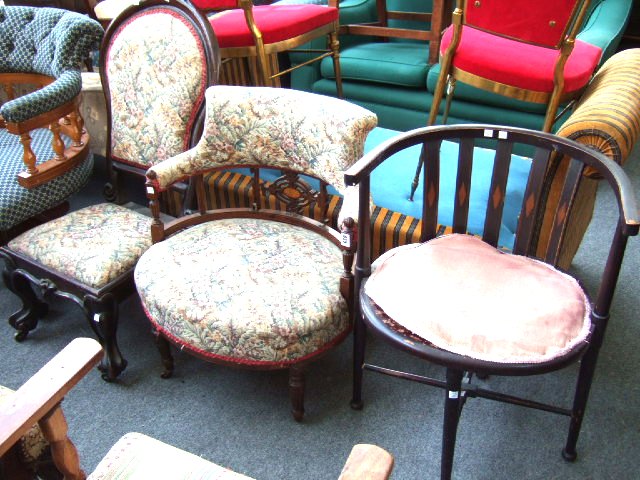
463	295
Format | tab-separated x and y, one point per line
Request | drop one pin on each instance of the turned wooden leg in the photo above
165	354
296	391
65	456
28	157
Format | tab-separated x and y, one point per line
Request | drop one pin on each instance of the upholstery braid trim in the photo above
212	357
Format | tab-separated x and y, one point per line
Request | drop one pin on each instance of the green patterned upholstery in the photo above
156	83
250	291
45	41
81	245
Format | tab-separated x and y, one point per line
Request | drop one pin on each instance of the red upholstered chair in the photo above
259	33
517	48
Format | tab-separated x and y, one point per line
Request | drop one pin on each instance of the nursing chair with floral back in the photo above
157	60
261	287
44	148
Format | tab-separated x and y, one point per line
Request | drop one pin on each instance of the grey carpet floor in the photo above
240	418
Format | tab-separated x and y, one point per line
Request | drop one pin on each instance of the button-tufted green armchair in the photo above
44	147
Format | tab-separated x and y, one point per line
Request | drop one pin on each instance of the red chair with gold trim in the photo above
517	48
259	33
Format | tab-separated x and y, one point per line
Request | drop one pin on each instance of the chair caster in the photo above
20	336
356	405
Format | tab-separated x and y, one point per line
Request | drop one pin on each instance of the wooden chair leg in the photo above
165	354
359	337
296	391
102	314
25	319
452	407
65	456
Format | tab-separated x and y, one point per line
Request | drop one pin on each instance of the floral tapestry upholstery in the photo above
248	291
46	41
274	127
93	245
17	203
138	456
33	443
156	72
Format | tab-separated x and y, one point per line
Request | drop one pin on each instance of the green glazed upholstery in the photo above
371	75
45	41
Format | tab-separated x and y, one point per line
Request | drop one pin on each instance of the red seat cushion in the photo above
276	22
520	64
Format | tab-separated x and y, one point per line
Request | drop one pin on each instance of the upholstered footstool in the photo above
86	256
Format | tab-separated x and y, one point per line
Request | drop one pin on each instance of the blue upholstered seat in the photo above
41	47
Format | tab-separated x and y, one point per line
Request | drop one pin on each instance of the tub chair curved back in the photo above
257	287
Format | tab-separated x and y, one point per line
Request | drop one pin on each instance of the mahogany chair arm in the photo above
367	462
38	399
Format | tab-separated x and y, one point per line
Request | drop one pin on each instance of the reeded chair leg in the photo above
25	319
452	408
102	314
296	391
359	338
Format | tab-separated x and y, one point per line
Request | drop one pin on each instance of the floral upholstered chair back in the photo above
155	67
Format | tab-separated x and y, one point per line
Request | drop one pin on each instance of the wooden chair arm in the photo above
41	394
367	462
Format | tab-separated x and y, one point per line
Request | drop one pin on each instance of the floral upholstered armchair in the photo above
265	286
44	154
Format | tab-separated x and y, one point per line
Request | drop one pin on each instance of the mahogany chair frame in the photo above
63	120
437	18
293	195
461	369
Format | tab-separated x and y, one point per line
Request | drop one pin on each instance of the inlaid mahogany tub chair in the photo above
257	287
44	148
135	456
461	303
520	49
157	62
250	37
